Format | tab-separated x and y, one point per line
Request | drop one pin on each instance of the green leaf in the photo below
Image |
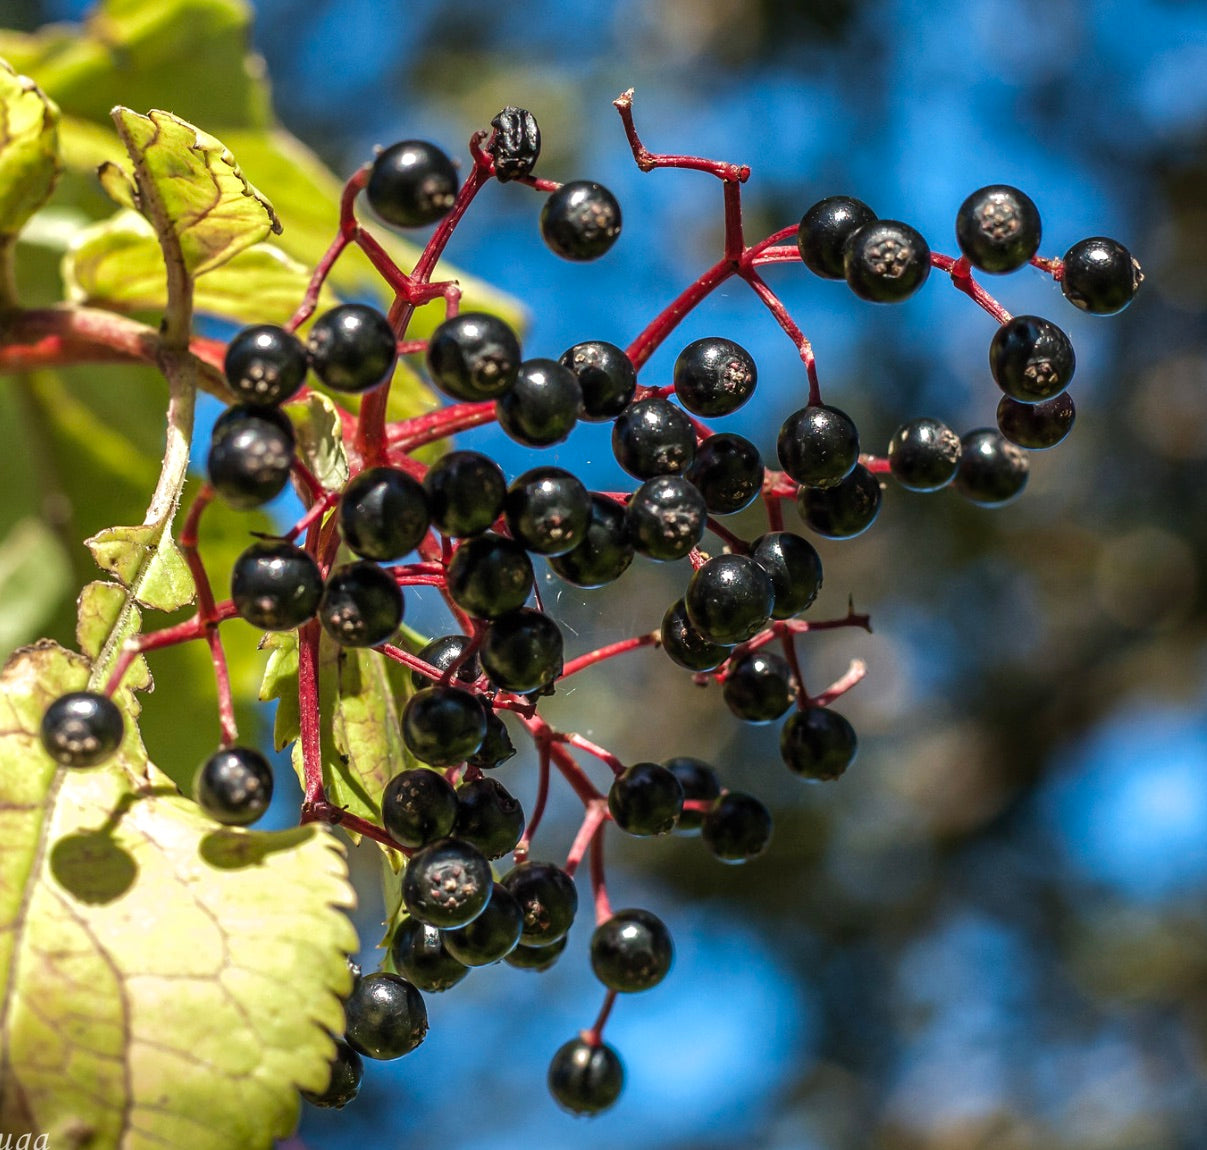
320	441
107	618
29	149
35	574
167	982
187	181
146	560
280	682
362	744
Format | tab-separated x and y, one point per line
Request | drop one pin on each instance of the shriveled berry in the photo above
516	145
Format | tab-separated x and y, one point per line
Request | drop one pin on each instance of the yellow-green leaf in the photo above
280	682
189	184
320	441
117	263
167	982
29	149
146	560
108	616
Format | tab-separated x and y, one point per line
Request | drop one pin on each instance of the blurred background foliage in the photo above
992	932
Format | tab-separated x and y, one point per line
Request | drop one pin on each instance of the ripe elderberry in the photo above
548	510
666	517
685	644
998	229
1031	359
265	364
234	786
605	550
1036	426
729	599
361	604
276	586
492	935
347	1070
714	376
385	1016
446	883
825	229
82	728
536	958
473	356
631	951
758	687
489	575
251	453
923	455
418	807
383	513
818	446
653	437
420	956
992	469
585	1077
817	743
488	817
699	783
646	799
886	261
728	472
443	726
606	378
737	827
845	510
522	650
352	348
1100	275
794	567
542	406
412	184
442	653
547	898
465	493
580	221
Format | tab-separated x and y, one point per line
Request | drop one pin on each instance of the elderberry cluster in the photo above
462	525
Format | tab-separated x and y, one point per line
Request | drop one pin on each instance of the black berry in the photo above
699	783
548	901
251	453
646	799
465	493
998	228
276	586
580	221
491	936
542	406
442	653
817	743
522	650
845	510
1031	358
1100	275
347	1070
443	726
489	575
653	437
536	958
992	469
729	599
666	517
737	828
631	951
418	807
419	955
886	261
585	1077
383	513
82	728
265	364
234	786
818	446
758	687
385	1016
489	817
714	376
825	230
605	551
923	455
516	144
605	375
794	567
446	884
686	645
548	510
361	604
412	184
352	348
1036	425
728	472
473	356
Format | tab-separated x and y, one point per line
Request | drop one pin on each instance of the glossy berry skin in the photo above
758	687
542	406
265	364
496	747
536	958
473	356
653	437
251	453
1100	276
606	377
443	726
412	184
418	807
446	884
685	645
361	604
605	551
886	261
845	510
465	491
1036	426
383	513
714	377
666	517
442	653
276	586
352	348
646	799
81	729
522	651
489	576
631	951
489	817
516	145
923	455
817	743
825	230
347	1070
699	783
794	567
385	1016
580	221
728	472
585	1077
420	956
548	901
992	470
1031	359
998	229
234	786
737	828
729	599
818	446
492	936
548	510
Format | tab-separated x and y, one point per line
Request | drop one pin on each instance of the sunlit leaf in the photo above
169	982
320	441
166	583
29	149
